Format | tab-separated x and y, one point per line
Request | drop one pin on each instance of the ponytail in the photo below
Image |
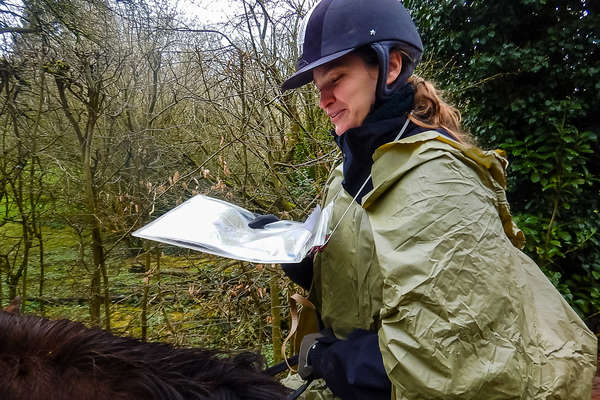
432	112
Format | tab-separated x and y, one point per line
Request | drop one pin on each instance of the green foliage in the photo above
525	75
557	161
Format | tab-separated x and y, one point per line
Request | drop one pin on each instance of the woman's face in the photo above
347	88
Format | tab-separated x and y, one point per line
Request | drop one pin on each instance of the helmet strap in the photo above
384	91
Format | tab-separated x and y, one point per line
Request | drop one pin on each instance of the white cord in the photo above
362	187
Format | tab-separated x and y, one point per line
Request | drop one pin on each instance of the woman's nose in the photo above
325	98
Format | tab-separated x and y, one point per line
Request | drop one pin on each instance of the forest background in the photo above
113	112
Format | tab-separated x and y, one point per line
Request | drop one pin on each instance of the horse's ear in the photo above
14	306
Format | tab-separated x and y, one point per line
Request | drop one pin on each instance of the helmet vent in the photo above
302	32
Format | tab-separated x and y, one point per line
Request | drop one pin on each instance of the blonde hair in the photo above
432	112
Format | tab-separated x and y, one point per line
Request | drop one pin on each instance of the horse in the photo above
64	360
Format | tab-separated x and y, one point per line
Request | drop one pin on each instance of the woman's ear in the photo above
395	66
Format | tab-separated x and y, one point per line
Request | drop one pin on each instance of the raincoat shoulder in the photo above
465	314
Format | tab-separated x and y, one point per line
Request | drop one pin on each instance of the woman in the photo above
421	290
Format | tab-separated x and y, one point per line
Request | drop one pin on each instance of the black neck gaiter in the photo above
381	126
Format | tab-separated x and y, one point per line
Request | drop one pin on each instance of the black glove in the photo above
352	368
309	342
312	348
260	221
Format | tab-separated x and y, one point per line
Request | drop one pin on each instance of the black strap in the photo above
299	391
282	366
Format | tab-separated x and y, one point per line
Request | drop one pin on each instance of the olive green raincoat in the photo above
431	261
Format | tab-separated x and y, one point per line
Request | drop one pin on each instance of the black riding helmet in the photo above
334	28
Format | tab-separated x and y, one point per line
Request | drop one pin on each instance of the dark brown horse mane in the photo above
62	359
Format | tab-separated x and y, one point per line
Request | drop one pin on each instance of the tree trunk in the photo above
1	286
12	289
144	317
42	272
85	138
95	300
98	266
275	316
24	285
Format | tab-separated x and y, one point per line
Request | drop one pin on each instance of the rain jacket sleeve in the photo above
465	314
